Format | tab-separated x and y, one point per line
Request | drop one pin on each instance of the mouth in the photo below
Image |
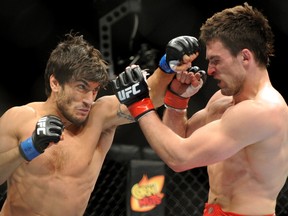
84	111
219	82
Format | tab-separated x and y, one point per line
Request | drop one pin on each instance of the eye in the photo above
82	87
214	62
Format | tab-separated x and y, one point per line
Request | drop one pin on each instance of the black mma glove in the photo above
48	129
179	101
175	50
131	89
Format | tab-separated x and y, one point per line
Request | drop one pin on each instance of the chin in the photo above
78	119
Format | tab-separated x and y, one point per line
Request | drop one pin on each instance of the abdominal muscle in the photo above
42	188
236	189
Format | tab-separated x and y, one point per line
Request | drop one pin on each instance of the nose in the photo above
210	70
90	97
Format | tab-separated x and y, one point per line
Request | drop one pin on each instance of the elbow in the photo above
182	162
178	165
178	168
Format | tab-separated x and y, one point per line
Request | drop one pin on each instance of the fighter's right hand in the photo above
131	89
183	86
176	49
48	129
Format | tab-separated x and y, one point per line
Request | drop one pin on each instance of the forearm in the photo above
158	83
9	161
180	52
176	120
168	146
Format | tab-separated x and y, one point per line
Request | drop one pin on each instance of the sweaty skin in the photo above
59	182
242	139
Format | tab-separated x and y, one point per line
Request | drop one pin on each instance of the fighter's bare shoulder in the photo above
21	113
18	122
112	113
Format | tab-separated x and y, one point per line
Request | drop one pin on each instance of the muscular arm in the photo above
180	52
159	80
213	142
158	83
10	157
117	114
179	122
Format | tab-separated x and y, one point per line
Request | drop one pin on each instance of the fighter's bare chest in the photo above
69	157
218	108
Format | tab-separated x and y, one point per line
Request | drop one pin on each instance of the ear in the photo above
246	55
54	84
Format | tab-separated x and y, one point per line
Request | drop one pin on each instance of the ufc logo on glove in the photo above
41	126
126	93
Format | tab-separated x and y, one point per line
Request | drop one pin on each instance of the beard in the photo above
65	106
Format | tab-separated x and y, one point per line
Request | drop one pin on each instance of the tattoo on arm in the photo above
120	113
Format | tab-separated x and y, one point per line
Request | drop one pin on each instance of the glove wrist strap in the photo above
177	110
175	101
140	108
164	66
28	150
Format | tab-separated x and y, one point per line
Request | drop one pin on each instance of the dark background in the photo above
30	29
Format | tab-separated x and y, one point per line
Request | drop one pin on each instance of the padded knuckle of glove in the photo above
175	50
137	75
179	46
132	90
131	86
48	129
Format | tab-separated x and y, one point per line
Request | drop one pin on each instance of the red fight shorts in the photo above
215	210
